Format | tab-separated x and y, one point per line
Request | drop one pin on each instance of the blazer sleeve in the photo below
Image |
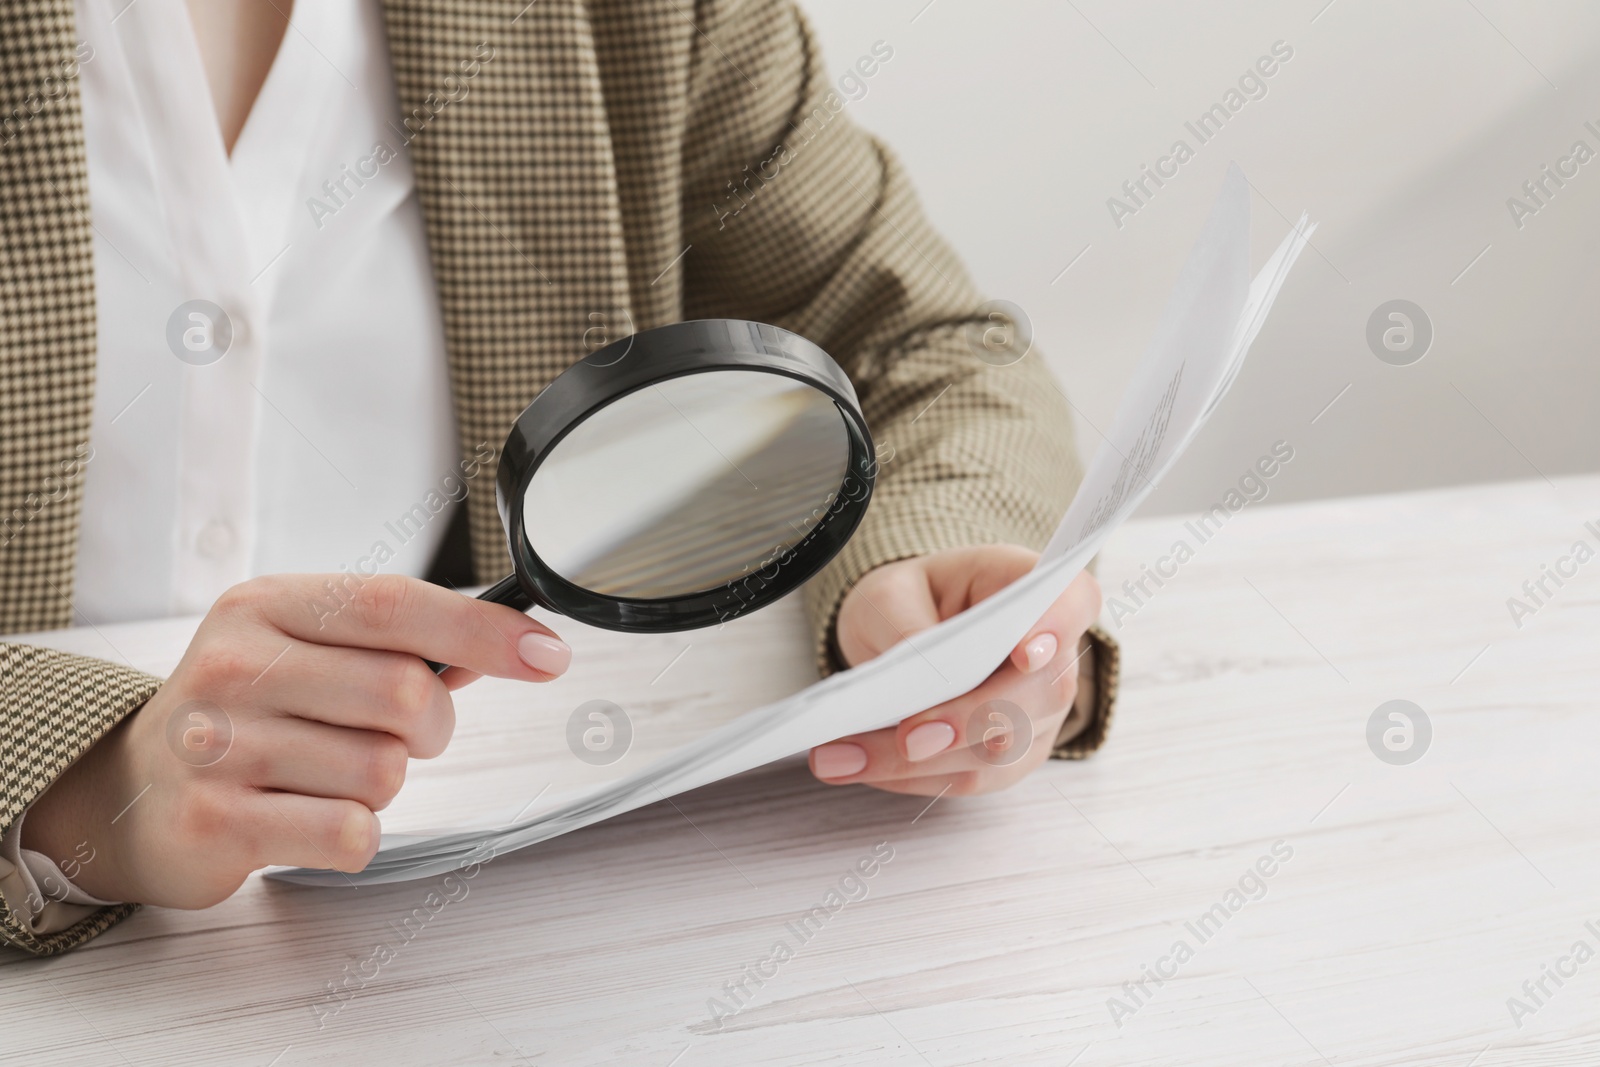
798	217
53	707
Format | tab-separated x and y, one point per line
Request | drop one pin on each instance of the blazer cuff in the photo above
53	708
1105	665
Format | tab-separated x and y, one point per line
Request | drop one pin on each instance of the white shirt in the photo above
330	412
329	415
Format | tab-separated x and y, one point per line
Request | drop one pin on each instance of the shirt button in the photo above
215	539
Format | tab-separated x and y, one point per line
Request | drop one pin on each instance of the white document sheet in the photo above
1200	342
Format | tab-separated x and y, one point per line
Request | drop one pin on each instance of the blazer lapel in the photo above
47	314
507	129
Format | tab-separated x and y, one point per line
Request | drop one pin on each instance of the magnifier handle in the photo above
507	591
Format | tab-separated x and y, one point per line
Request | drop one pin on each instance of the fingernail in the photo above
1040	650
840	760
544	653
356	834
929	739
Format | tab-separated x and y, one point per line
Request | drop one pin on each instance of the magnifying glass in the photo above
682	477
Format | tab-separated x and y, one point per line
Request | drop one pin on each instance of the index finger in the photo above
394	613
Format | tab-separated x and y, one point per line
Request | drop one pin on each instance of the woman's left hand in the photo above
984	740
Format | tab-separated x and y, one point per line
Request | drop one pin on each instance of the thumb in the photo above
886	606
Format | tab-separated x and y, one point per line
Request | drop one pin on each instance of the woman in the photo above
239	250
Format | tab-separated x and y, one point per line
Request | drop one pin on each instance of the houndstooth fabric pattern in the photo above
52	708
47	315
611	166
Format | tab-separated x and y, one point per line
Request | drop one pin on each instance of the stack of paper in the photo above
1199	344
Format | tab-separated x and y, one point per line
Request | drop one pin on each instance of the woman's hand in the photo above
991	737
286	725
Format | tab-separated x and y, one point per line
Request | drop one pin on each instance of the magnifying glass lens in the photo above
687	484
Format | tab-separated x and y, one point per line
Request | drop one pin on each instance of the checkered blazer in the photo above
620	164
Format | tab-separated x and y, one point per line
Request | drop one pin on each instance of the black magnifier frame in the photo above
639	362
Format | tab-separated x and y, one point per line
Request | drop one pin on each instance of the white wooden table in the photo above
1418	898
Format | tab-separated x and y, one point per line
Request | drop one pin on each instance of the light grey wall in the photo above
1403	128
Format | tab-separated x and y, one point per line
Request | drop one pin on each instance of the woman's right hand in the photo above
286	725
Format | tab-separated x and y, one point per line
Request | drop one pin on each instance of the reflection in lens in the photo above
687	485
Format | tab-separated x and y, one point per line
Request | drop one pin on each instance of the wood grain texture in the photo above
1416	901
